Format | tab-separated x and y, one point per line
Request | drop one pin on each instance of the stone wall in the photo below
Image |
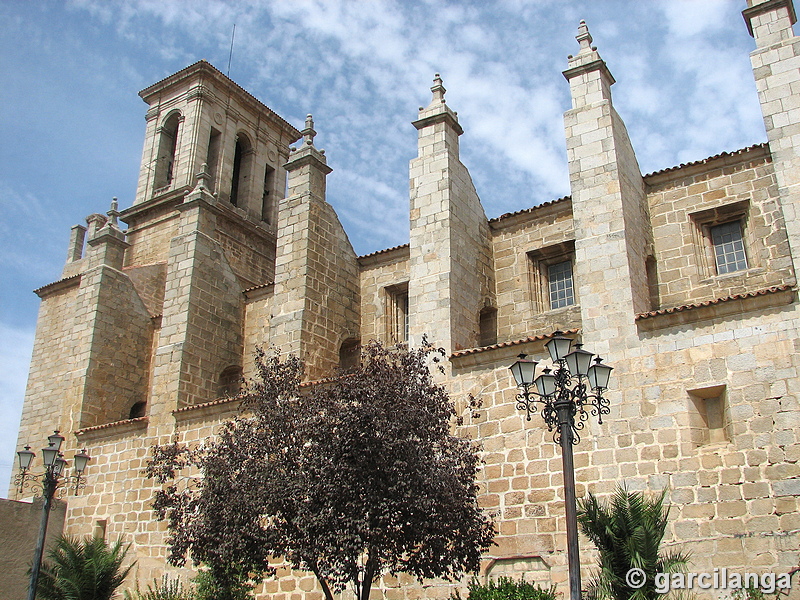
731	186
19	531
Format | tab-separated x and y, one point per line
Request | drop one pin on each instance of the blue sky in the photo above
72	124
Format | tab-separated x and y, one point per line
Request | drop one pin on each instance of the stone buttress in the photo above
451	268
776	68
612	232
316	307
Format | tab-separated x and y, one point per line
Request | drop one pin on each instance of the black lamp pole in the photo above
565	397
54	464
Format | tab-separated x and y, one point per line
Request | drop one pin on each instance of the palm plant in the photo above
87	569
628	532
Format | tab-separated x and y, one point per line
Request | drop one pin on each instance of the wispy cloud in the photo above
684	89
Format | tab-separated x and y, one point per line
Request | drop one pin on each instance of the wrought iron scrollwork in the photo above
569	405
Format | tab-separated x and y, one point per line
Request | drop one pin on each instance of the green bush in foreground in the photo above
506	588
166	589
83	569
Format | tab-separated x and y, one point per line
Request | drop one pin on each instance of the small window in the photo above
488	327
230	382
139	409
559	282
212	159
552	282
708	416
721	238
268	196
349	354
728	247
398	313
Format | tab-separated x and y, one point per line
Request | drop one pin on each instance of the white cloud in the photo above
362	68
687	18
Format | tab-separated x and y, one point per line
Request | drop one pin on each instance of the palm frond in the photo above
83	569
627	530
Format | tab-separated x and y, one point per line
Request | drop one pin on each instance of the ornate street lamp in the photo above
48	481
564	396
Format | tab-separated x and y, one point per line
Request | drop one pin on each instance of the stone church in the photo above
684	280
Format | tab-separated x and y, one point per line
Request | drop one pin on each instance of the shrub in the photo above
506	588
166	589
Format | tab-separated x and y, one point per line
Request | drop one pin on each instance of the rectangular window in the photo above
559	281
212	159
487	327
551	277
267	197
721	238
397	311
708	416
728	247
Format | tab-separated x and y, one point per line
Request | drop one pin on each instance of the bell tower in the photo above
198	116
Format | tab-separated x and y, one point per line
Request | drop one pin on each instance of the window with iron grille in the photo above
397	312
559	282
728	247
551	277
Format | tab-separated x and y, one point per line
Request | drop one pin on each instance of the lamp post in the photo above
49	481
564	396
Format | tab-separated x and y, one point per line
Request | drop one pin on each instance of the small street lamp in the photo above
565	395
48	480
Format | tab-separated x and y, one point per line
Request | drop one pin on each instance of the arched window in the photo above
167	147
230	382
242	167
139	409
487	323
349	354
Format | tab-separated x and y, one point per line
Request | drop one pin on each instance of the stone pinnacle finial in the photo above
113	213
308	133
584	37
203	176
438	89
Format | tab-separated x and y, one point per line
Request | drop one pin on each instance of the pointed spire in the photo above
202	178
587	64
437	109
584	38
438	90
308	133
114	214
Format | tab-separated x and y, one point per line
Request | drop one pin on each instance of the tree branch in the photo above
326	589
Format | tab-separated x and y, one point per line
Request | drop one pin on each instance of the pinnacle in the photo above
584	38
438	90
113	213
308	133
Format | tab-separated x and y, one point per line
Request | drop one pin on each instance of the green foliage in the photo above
628	532
87	569
212	587
166	589
347	479
748	593
506	588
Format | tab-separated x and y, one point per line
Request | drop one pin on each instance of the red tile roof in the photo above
685	307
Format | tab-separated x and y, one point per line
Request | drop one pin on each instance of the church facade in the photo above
684	280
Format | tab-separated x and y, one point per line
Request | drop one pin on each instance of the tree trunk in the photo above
326	589
369	575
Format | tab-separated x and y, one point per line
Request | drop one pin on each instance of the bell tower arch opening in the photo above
167	151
